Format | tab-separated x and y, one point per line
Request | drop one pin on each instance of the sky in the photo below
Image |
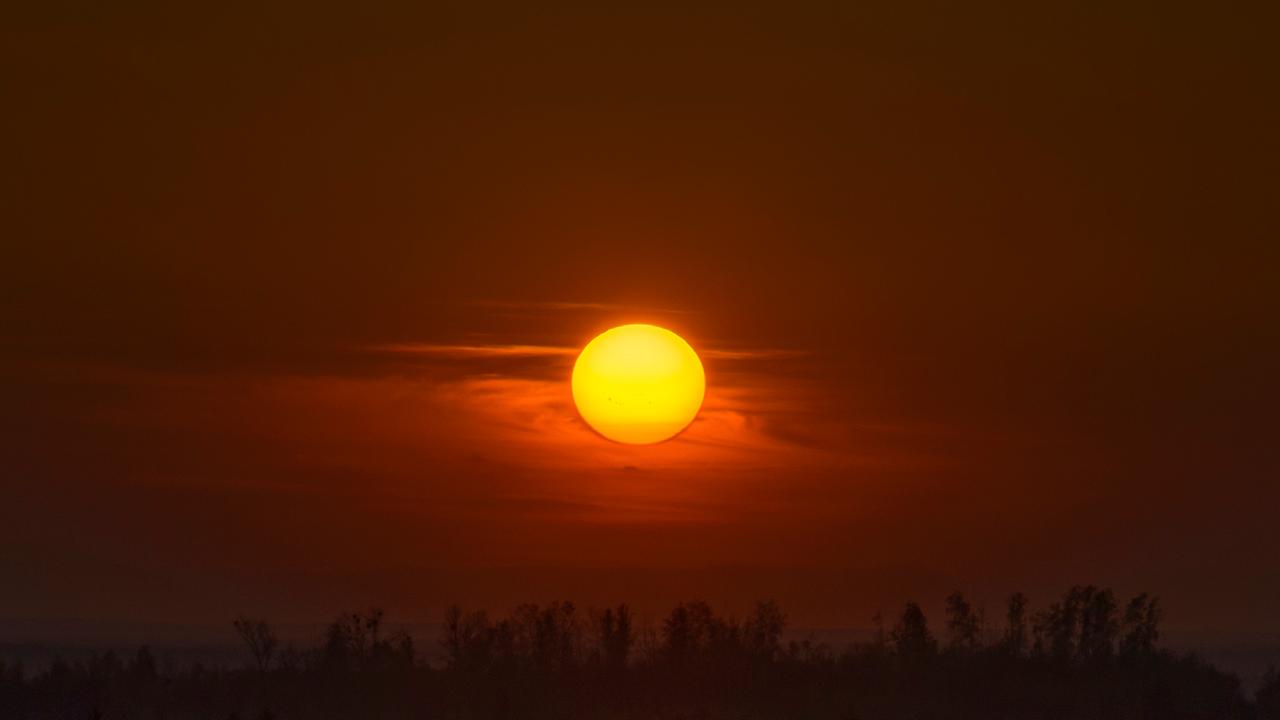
290	294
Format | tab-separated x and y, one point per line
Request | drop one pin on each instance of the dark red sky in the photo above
987	296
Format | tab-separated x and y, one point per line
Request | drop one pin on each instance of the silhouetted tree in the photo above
1015	633
649	642
143	669
680	634
555	637
616	637
911	636
963	626
353	642
762	631
526	665
1268	695
258	636
1057	628
680	638
692	632
1140	626
1098	624
468	640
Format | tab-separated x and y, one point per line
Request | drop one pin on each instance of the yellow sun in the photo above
638	384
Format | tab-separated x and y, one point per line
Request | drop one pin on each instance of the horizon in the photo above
1248	655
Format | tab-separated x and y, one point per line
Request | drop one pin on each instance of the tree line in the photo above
1085	655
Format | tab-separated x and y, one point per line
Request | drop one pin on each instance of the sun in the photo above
638	384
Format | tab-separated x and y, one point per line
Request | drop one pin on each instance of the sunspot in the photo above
638	384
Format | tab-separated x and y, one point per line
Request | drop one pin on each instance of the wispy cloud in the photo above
751	354
458	351
517	395
473	351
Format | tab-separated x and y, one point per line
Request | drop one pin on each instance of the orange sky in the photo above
986	300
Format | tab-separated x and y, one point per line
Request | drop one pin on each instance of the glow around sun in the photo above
638	384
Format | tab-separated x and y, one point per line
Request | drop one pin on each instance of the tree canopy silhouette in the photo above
1083	658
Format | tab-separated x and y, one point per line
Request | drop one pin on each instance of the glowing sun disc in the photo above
638	384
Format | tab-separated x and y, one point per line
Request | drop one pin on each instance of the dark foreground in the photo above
1082	657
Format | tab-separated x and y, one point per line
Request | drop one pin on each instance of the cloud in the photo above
514	400
473	351
445	350
755	354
